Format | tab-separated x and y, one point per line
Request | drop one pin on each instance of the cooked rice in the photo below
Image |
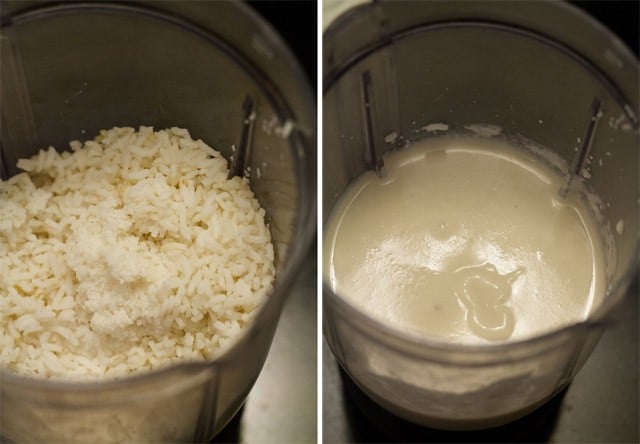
129	253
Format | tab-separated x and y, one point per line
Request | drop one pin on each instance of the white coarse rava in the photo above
128	253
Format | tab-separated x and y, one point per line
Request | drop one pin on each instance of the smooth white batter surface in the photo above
465	239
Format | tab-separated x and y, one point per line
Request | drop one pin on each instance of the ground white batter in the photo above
465	240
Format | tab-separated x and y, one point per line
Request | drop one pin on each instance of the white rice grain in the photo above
129	253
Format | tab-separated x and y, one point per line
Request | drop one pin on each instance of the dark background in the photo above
296	22
622	17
